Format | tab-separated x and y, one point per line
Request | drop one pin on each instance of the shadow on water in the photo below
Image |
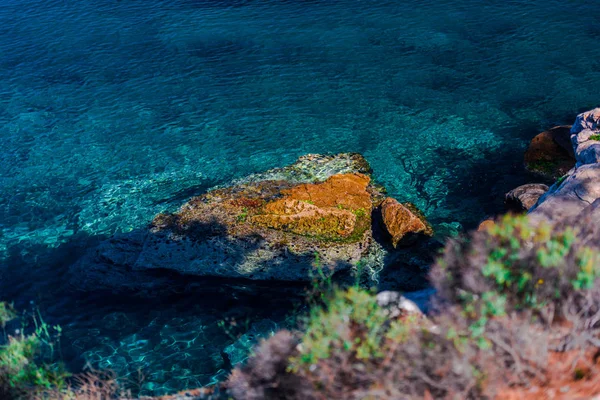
168	334
174	316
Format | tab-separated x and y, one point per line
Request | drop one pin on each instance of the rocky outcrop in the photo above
550	154
404	222
585	137
524	197
571	195
580	187
274	225
332	210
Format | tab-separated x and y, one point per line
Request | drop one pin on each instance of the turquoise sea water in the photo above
112	111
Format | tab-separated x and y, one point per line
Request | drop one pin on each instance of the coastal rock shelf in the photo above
579	188
275	225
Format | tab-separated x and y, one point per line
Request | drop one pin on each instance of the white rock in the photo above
587	120
587	151
396	304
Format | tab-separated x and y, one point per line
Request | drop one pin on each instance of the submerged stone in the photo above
550	154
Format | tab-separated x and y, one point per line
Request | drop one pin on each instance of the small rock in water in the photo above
524	197
486	224
404	221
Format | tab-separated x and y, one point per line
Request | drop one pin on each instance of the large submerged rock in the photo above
274	225
550	154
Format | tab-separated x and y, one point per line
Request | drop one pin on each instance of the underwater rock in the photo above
239	351
403	221
275	225
550	154
265	230
524	197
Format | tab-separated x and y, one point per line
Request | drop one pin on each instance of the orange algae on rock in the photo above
334	209
337	209
402	220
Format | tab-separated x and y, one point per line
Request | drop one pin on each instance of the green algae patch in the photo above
544	166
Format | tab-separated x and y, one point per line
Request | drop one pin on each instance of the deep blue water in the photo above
112	111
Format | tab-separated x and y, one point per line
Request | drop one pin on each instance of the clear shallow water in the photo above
111	111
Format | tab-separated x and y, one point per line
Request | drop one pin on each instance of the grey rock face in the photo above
524	197
587	120
580	187
569	197
583	137
586	147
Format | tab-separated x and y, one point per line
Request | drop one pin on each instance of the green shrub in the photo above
7	313
513	281
515	265
21	369
351	320
351	348
27	362
493	325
